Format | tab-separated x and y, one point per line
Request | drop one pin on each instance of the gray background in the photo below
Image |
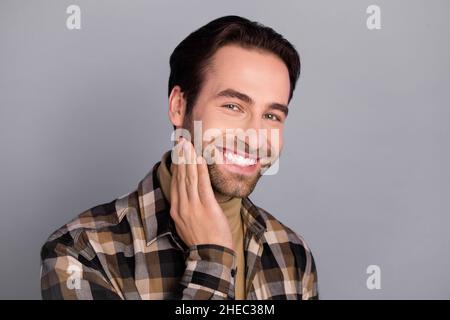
364	175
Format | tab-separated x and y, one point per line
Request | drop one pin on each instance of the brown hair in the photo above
191	57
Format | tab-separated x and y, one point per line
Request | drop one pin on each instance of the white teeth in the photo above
239	160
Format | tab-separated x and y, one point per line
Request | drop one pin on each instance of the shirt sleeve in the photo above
68	274
309	280
209	274
306	266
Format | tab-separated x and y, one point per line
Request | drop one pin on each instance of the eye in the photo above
231	107
273	117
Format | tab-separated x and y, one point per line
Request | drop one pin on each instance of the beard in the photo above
224	182
232	184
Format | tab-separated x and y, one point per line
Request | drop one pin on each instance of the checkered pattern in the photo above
129	249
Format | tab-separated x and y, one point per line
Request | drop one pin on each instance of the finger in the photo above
181	181
204	182
176	151
174	193
191	171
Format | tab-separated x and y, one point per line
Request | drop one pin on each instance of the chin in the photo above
232	184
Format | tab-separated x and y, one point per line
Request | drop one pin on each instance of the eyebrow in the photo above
231	93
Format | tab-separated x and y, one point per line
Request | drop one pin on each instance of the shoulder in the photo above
287	241
292	250
71	237
278	231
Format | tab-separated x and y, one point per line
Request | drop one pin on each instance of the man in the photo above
190	231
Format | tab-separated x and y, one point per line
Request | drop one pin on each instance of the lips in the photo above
238	158
239	153
237	163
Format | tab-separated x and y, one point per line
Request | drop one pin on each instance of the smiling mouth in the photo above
238	158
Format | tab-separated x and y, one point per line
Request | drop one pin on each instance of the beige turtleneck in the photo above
231	208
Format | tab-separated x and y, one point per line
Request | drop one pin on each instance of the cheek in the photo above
276	140
208	118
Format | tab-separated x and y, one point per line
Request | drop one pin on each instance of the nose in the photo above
256	137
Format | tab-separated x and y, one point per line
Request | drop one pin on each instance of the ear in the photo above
177	107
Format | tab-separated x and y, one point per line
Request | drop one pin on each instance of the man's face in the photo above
243	89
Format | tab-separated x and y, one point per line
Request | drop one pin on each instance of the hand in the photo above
197	215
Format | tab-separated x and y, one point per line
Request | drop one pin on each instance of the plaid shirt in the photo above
129	249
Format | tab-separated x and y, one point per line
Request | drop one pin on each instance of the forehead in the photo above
260	74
